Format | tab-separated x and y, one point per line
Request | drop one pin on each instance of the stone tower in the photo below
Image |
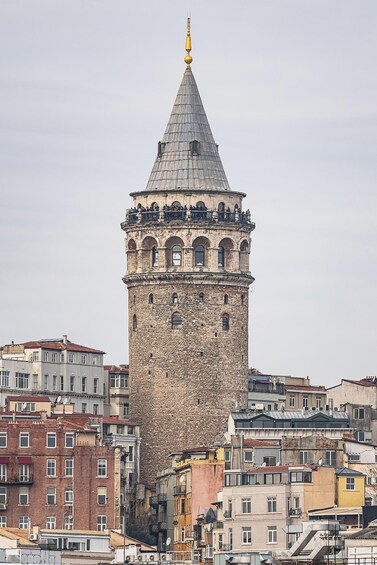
188	246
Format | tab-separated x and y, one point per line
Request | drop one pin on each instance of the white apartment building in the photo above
67	372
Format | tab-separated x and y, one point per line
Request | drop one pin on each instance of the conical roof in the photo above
182	164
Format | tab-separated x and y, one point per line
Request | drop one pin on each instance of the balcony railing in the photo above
169	214
225	547
180	489
17	480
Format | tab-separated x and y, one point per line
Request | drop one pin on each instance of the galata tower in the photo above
188	246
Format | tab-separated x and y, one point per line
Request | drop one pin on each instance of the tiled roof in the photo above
116	369
289	414
30	398
177	168
303	388
345	471
60	346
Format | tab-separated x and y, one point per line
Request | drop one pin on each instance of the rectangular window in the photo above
22	380
72	383
71	358
4	379
23	496
353	457
318	402
35	382
182	534
271	504
102	468
45	380
24	471
45	356
359	413
131	430
330	457
25	406
54	357
50	523
23	522
69	467
305	401
3	496
61	382
83	359
248	456
3	472
101	495
246	535
246	505
101	523
51	439
54	382
272	534
292	400
95	408
24	439
35	356
130	454
119	381
69	439
350	483
68	496
84	407
51	467
3	521
130	480
83	384
68	522
3	439
51	495
95	386
304	457
300	477
126	409
62	357
95	360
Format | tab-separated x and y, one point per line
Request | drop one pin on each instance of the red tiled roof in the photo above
30	398
250	442
116	369
117	420
306	387
59	346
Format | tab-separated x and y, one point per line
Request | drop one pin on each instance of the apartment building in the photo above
55	367
117	390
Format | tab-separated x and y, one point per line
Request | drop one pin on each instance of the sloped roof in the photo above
345	471
177	168
59	346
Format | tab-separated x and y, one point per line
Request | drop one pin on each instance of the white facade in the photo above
57	368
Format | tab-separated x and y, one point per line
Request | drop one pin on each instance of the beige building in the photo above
305	397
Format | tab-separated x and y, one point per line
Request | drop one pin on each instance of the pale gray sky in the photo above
290	90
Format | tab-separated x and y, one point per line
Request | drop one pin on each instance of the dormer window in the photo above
194	147
161	148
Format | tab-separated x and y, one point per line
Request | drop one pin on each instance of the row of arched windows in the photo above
221	208
176	321
174	298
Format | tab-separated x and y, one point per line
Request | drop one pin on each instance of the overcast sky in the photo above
290	90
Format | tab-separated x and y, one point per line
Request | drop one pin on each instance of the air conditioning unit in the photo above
165	557
33	537
140	558
151	558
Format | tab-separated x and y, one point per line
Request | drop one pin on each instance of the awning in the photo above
25	460
4	459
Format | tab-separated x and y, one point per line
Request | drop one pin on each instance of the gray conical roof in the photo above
177	166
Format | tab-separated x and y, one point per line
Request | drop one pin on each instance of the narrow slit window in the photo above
225	322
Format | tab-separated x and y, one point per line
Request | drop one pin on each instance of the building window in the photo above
62	357
95	360
183	536
69	439
68	467
24	439
271	504
101	468
354	458
54	357
51	495
83	359
83	384
23	522
350	483
45	356
51	439
126	409
150	299
246	535
71	358
23	496
300	477
101	495
3	496
61	382
3	439
225	322
4	379
68	496
304	457
50	523
35	356
54	381
22	380
45	382
24	471
95	408
51	467
130	480
176	321
25	406
72	383
3	521
201	298
101	523
272	534
176	256
330	457
199	256
84	407
174	298
154	256
130	454
68	522
318	402
359	413
226	299
221	256
95	386
305	401
3	472
119	381
246	505
292	400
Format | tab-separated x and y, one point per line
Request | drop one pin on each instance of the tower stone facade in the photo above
187	246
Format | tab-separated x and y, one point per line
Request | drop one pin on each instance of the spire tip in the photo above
188	58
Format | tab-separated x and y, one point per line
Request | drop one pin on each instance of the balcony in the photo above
295	512
179	489
153	501
17	480
162	498
225	547
191	215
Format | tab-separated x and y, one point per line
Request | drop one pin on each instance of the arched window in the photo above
221	256
176	204
200	205
201	297
221	210
174	298
150	299
226	299
154	206
154	256
134	322
176	256
176	321
225	322
199	255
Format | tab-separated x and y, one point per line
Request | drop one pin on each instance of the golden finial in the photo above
188	58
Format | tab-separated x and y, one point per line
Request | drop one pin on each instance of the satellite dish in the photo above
168	541
182	479
65	400
58	399
24	406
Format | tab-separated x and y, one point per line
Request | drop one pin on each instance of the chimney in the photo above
65	339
